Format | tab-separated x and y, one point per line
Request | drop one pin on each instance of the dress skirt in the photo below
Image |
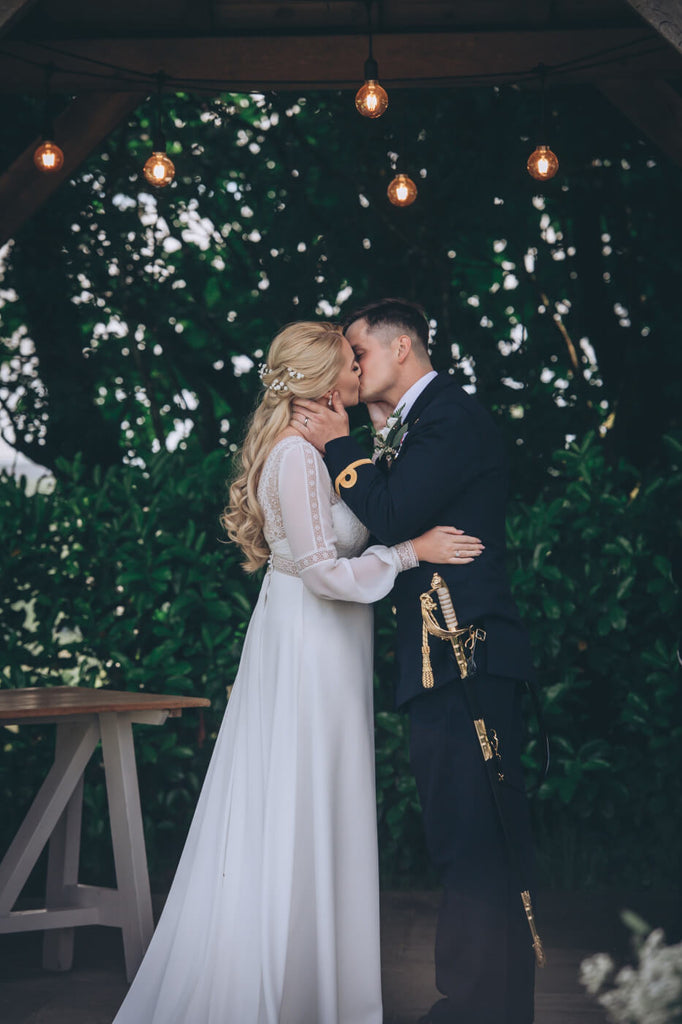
273	915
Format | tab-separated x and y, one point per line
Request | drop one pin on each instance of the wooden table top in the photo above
48	701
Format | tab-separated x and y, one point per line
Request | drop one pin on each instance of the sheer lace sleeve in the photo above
304	496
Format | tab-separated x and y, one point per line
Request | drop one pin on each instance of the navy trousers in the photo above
484	956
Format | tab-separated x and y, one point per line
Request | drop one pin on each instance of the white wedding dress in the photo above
273	915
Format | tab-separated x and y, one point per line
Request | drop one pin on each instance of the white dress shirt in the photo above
413	393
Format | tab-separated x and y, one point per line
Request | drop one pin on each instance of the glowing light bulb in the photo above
371	99
159	170
542	164
402	191
48	157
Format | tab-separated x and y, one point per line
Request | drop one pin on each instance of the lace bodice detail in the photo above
313	535
350	535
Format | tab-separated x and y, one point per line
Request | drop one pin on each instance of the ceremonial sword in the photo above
461	640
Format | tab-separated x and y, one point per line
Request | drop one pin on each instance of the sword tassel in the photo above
427	670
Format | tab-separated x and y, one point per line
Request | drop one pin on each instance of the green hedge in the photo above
124	581
592	576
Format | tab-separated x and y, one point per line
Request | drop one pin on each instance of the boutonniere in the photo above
388	440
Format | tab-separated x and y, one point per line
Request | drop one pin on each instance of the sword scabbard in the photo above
489	744
482	734
540	958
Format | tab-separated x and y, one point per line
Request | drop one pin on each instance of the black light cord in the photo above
47	129
131	76
159	143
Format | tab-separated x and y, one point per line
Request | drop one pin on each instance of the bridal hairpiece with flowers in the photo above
278	385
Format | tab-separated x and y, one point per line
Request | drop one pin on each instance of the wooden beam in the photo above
654	107
331	61
78	129
665	16
11	11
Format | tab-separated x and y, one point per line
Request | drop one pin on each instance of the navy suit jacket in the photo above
451	471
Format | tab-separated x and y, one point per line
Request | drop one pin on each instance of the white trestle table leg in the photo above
127	836
73	753
62	865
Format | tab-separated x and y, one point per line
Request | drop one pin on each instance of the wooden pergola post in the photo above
653	107
11	11
663	15
78	129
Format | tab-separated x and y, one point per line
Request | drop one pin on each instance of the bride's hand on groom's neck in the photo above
317	423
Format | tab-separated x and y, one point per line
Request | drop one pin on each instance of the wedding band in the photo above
305	422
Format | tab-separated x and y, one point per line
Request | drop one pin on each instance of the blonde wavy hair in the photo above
314	351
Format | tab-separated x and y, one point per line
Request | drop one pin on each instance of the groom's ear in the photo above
404	347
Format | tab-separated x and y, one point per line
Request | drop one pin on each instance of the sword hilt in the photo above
451	623
447	607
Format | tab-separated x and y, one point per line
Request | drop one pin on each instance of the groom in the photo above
445	465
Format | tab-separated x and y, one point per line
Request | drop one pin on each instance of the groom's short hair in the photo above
397	313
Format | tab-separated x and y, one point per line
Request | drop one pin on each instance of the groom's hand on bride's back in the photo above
319	423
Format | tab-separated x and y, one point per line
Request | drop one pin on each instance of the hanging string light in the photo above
159	170
402	191
371	99
48	157
542	164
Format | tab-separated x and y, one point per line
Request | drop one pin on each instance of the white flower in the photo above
388	440
594	971
650	993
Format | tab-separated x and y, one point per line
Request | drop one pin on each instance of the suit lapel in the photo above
428	394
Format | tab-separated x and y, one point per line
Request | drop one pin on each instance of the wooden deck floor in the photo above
572	926
408	927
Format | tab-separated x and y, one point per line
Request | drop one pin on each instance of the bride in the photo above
273	915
